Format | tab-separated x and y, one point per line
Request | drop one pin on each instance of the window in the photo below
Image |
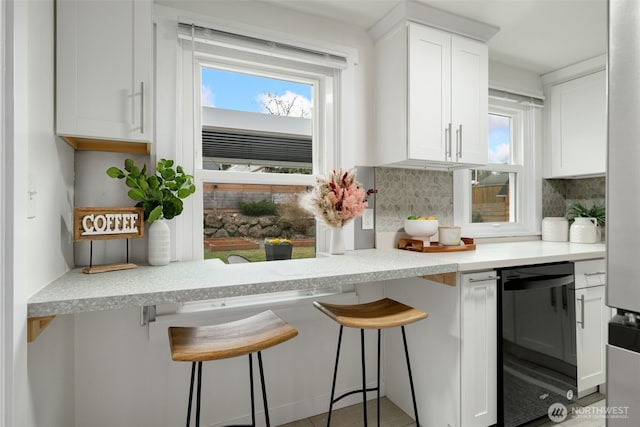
502	198
264	121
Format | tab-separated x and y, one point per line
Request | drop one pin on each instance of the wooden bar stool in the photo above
381	314
232	339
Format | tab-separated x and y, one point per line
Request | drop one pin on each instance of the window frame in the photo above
329	98
525	163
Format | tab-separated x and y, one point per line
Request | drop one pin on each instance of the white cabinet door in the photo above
104	70
469	101
429	93
592	317
479	349
578	127
432	99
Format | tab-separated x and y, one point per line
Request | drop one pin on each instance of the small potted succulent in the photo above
278	249
160	195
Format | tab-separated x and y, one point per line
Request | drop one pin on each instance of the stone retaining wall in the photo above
218	224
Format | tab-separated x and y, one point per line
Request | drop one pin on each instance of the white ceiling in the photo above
537	35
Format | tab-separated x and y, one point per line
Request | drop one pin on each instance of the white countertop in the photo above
76	292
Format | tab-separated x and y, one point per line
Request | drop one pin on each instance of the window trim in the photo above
526	128
329	92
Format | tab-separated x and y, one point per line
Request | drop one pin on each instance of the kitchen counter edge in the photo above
75	292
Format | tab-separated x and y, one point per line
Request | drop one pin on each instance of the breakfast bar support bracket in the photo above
35	326
147	314
444	278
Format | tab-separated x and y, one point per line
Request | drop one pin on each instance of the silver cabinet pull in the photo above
594	274
141	107
581	322
483	279
459	142
447	141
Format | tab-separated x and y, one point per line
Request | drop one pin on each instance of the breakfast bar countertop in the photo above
76	292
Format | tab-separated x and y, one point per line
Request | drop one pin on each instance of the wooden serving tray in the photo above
419	246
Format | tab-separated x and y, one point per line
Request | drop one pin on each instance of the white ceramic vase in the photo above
159	237
336	245
583	230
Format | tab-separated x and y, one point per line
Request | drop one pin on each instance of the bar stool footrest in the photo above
349	393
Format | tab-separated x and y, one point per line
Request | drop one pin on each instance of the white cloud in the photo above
289	104
500	154
207	97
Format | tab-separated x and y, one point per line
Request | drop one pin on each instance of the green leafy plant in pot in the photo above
160	196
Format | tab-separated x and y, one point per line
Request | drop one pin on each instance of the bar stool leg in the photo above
335	373
413	393
264	390
364	379
378	382
199	394
193	377
253	405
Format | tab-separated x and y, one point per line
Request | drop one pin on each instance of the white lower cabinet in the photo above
591	337
592	317
453	351
479	349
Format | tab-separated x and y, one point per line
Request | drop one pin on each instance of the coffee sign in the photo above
107	223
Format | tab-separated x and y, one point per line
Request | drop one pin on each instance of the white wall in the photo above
39	249
513	79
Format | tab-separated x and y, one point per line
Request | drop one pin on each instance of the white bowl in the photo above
421	229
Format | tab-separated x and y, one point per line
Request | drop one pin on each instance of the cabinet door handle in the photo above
459	142
141	107
447	142
581	322
594	274
483	279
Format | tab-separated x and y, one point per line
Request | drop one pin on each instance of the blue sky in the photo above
499	139
235	91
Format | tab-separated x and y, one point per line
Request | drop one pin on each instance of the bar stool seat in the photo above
381	314
199	344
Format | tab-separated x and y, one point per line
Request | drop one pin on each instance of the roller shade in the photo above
259	46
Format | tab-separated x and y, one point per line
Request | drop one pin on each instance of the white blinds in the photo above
210	39
517	98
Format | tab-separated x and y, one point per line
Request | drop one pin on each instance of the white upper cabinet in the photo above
576	138
104	63
431	98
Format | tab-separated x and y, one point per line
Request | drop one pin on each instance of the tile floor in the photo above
392	416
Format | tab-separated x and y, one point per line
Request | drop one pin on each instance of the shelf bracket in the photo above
35	326
444	278
147	314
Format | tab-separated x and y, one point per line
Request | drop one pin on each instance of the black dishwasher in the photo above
537	371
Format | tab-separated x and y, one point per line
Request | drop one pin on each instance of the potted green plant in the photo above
277	249
160	196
